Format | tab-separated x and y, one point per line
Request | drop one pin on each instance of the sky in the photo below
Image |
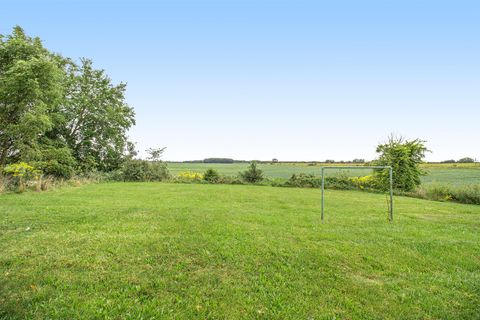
287	79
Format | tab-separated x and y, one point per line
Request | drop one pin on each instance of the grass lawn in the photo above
154	250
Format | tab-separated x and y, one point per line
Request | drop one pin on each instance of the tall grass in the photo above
469	194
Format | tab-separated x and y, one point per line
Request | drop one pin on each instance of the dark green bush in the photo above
211	175
230	180
142	170
252	174
303	180
56	162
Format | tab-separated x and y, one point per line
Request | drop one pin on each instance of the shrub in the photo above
20	174
142	170
365	182
339	183
303	180
404	157
188	177
229	180
252	174
57	162
211	175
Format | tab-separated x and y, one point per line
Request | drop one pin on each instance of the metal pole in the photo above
391	194
323	188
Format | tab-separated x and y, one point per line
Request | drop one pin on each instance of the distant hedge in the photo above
218	160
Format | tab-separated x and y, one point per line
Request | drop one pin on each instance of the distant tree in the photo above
358	161
274	160
218	160
466	160
252	174
329	161
448	161
404	156
155	154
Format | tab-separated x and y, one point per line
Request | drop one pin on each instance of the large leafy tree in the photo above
404	156
94	117
29	91
56	114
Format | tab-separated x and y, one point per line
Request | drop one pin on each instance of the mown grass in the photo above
156	250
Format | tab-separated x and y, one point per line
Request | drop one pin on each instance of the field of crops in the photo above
191	251
455	174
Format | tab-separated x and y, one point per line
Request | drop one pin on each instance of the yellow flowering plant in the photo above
190	175
21	173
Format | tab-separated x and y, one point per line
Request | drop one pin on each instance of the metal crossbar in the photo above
390	217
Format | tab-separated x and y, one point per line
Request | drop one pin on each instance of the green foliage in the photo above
19	174
369	182
466	160
358	161
448	161
404	156
469	194
55	161
56	114
252	174
21	170
94	118
211	175
142	170
29	90
303	180
218	160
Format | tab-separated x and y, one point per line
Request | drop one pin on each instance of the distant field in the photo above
459	174
180	251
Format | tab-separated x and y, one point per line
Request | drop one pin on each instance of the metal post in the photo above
323	188
391	194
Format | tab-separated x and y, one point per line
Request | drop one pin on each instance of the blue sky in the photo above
294	80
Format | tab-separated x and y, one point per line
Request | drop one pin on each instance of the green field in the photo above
448	174
176	251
